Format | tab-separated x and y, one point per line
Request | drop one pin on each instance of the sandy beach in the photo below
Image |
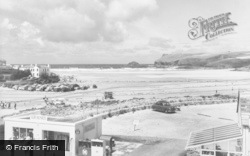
139	87
126	84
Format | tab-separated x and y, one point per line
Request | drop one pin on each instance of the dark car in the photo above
164	106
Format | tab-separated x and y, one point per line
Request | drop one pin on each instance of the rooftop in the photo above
212	135
37	117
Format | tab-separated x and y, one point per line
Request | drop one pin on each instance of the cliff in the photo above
220	60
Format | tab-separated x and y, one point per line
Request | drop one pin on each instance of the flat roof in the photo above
36	117
213	135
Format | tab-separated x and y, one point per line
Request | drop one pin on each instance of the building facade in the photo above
38	127
228	140
37	71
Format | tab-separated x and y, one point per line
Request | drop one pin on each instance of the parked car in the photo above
31	88
15	87
164	106
24	87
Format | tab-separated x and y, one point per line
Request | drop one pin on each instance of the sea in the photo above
99	66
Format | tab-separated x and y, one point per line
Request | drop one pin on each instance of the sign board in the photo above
136	122
84	152
89	127
39	117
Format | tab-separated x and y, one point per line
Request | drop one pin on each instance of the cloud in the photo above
78	21
115	32
6	24
67	25
27	30
6	5
92	20
130	9
160	42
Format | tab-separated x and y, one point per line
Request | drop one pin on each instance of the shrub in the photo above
122	111
203	97
19	74
94	86
216	95
85	87
110	114
48	78
133	110
2	78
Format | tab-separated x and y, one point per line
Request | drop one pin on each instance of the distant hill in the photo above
196	60
135	64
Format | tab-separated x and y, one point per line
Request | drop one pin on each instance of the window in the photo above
235	154
221	153
209	153
223	146
235	145
208	147
86	144
52	135
22	133
97	144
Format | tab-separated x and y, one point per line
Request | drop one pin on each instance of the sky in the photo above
112	31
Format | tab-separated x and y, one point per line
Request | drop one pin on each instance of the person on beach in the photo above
9	105
15	105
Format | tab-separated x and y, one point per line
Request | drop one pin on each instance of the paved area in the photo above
166	134
125	148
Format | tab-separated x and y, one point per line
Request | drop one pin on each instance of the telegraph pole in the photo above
97	103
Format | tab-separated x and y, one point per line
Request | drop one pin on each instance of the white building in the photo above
23	67
37	71
15	66
38	127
